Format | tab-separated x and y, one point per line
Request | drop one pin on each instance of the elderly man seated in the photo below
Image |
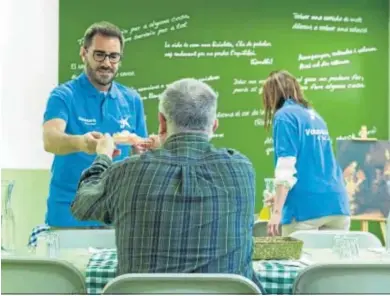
185	206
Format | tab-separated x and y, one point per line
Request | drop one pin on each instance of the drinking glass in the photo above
7	217
48	245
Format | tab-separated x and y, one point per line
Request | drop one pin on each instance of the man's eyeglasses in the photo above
100	56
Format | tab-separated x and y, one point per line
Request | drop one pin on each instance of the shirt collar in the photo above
289	101
197	141
93	91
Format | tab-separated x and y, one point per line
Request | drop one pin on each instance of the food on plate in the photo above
125	137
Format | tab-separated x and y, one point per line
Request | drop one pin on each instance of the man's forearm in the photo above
59	143
91	201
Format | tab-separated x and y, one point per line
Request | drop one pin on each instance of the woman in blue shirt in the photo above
310	190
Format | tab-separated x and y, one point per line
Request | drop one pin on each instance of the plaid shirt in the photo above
186	207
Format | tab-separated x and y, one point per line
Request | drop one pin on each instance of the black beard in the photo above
92	73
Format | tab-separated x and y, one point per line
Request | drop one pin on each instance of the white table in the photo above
313	256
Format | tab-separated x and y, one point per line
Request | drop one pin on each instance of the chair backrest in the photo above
260	228
324	238
181	283
84	238
40	276
343	279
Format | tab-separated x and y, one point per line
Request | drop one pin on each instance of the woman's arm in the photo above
286	141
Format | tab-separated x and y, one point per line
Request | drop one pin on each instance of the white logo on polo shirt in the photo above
87	121
312	114
124	122
320	133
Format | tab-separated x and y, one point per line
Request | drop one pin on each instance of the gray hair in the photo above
189	105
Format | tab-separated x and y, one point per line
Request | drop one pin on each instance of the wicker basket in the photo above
276	248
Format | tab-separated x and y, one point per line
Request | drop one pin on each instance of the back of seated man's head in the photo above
187	105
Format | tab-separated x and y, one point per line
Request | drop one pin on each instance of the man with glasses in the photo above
80	111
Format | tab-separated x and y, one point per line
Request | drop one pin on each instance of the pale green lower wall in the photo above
29	202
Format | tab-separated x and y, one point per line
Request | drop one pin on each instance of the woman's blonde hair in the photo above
279	86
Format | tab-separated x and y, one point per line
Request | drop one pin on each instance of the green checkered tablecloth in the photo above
277	277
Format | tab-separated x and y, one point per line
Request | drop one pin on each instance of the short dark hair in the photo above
105	29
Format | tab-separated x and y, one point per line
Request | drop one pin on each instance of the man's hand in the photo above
162	136
89	142
153	142
140	148
105	145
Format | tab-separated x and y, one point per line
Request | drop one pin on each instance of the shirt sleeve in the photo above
141	129
57	106
95	192
285	171
286	139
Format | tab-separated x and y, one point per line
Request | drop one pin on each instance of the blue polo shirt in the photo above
320	191
84	109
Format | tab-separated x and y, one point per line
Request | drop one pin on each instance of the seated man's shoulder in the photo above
128	161
134	160
159	155
235	155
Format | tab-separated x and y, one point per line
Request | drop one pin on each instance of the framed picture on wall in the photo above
366	172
